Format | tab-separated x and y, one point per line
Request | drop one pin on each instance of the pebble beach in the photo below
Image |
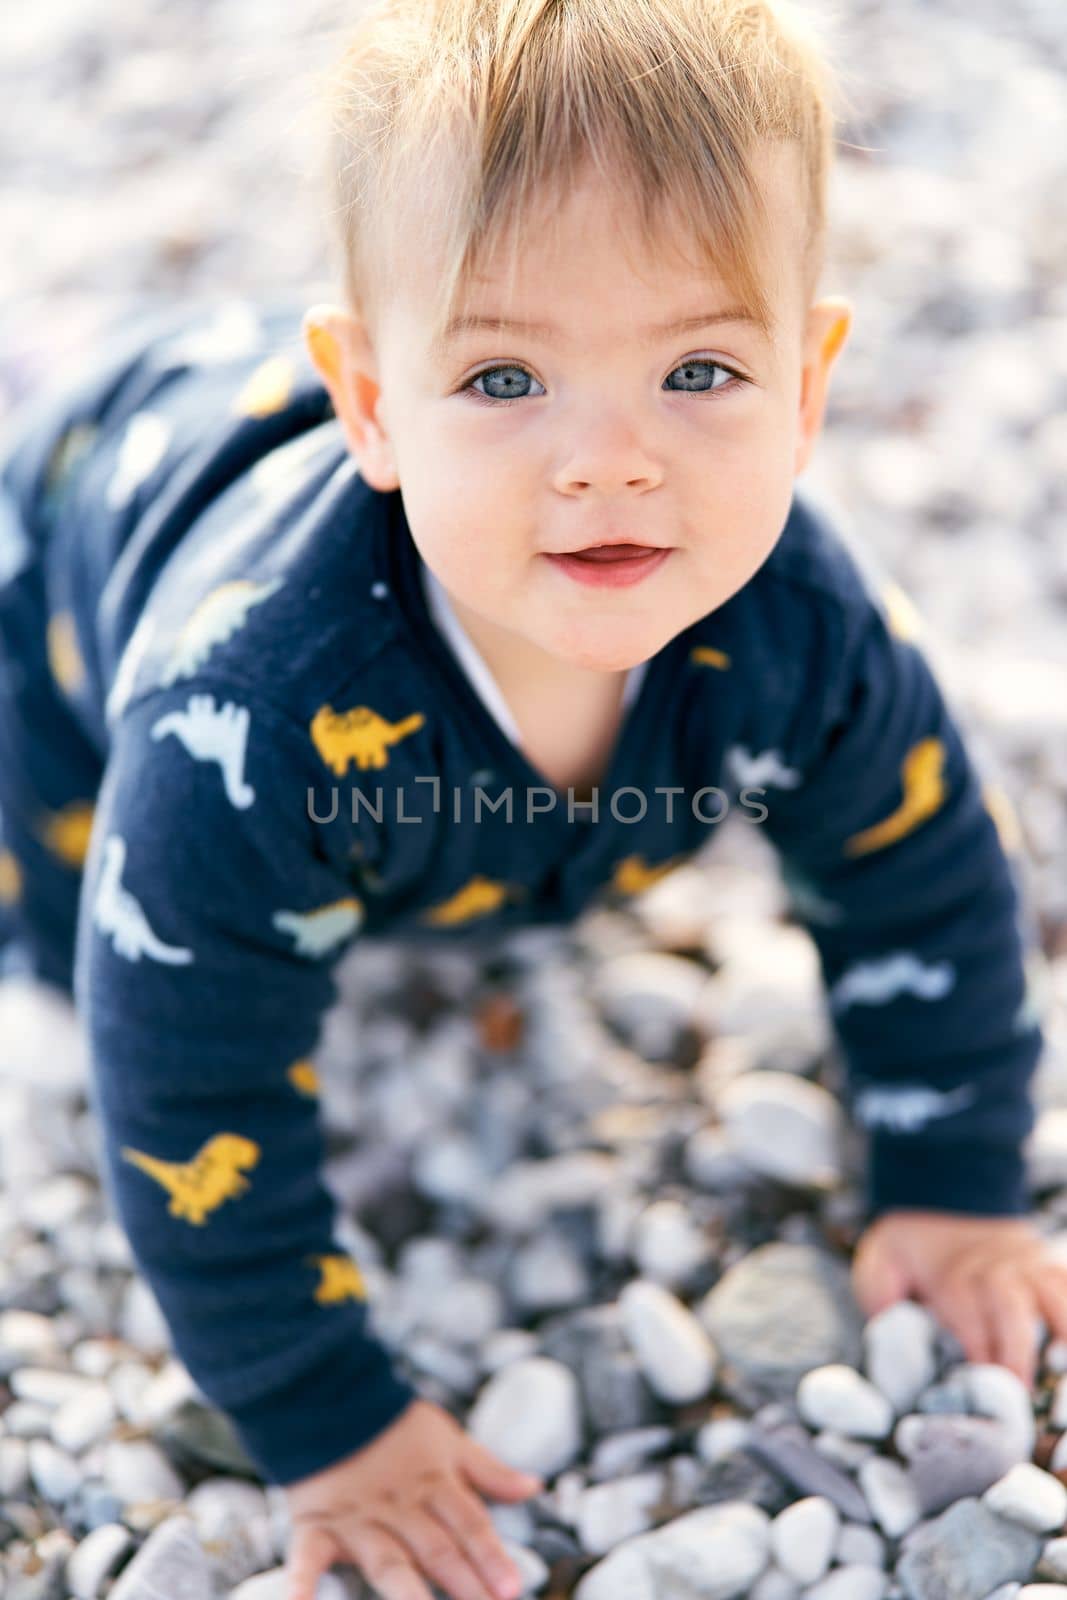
597	1178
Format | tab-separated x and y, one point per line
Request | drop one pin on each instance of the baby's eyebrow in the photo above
548	330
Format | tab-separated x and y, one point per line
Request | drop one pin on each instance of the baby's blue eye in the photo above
510	379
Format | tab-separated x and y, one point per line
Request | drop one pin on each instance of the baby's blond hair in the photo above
461	115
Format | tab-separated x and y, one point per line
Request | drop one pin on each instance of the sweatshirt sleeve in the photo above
213	911
890	845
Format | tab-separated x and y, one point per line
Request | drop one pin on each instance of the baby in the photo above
454	609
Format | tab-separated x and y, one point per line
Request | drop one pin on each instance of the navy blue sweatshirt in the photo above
293	756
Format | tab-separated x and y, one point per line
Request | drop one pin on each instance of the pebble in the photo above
608	1513
965	1553
781	1310
951	1457
714	1553
900	1352
170	1563
803	1537
529	1414
667	1244
850	1583
137	1469
837	1397
673	1350
1031	1496
784	1127
95	1560
891	1494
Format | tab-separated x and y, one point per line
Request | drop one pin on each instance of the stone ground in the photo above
562	1213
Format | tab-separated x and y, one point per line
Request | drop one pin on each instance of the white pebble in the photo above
837	1397
47	1387
773	1584
851	1583
900	1357
890	1494
95	1559
1054	1558
14	1467
83	1419
803	1538
667	1244
859	1546
722	1437
55	1474
137	1469
784	1127
608	1513
1029	1495
673	1351
529	1414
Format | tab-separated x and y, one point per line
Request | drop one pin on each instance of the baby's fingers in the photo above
1014	1312
442	1558
1050	1286
961	1309
387	1563
312	1551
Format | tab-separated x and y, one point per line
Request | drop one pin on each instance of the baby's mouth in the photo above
612	552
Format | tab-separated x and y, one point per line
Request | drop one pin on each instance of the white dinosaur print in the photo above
282	470
16	550
234	331
143	446
318	931
751	771
117	914
214	734
129	664
875	983
905	1108
215	619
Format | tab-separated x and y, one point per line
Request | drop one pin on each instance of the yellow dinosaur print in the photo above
360	735
924	793
341	1279
66	832
633	874
202	1184
10	879
901	613
267	389
68	451
1002	811
64	657
303	1076
478	897
706	655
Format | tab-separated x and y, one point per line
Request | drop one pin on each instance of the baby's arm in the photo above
213	909
898	871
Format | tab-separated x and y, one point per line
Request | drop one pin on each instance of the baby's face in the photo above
512	446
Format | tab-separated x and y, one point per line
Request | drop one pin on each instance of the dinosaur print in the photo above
283	471
10	879
66	832
211	734
64	657
234	331
706	655
341	1279
267	390
117	914
360	735
924	793
216	619
477	898
201	1185
905	1108
875	983
766	770
902	615
318	931
303	1076
633	874
1002	811
16	550
129	665
143	446
72	444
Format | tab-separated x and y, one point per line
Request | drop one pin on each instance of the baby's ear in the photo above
337	345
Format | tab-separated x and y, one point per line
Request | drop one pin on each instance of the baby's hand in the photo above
988	1279
405	1502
